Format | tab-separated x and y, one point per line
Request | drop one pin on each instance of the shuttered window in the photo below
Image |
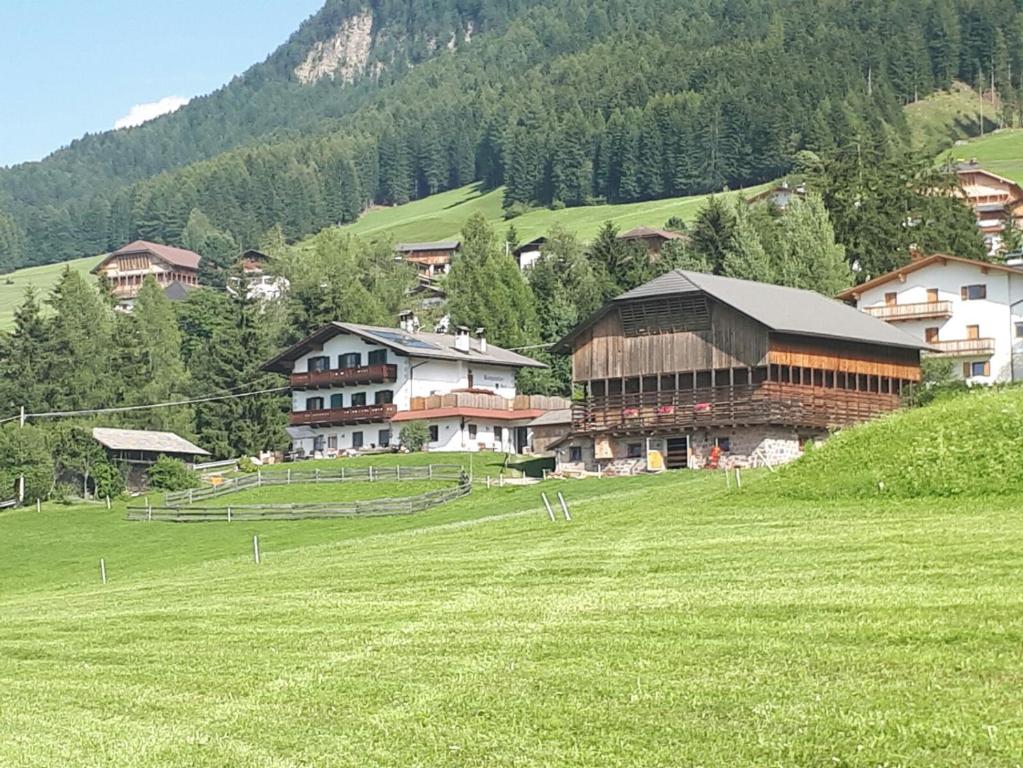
671	315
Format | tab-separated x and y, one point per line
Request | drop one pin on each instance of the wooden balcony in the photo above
919	311
963	348
345	377
769	403
360	414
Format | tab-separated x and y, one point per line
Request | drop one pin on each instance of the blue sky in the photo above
68	67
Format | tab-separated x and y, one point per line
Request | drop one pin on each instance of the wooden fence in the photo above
180	507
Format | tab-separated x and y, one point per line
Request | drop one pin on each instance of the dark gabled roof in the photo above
779	308
852	294
441	245
176	291
531	245
438	346
644	232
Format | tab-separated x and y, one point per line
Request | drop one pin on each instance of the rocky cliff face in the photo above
342	57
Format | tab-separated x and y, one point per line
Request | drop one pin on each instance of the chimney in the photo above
481	335
408	321
462	338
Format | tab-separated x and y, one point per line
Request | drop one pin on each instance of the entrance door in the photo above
677	455
521	439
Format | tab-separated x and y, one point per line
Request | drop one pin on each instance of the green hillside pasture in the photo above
947	116
442	216
322	493
1000	152
661	627
12	286
481	463
967	446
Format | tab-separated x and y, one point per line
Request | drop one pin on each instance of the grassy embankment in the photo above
671	623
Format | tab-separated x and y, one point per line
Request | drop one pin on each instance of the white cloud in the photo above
141	113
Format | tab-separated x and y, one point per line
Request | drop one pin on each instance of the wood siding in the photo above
844	357
732	341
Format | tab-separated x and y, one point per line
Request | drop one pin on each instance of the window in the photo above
314	403
930	335
472	379
498	434
434	433
378	357
932	295
472	431
337	401
350	360
358	398
976	369
383	397
1019	330
575	454
356	439
723	443
973	331
891	299
384	438
973	292
332	443
318	364
634	451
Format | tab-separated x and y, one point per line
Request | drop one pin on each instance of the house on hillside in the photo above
689	363
431	259
527	254
995	200
780	195
651	239
126	268
969	311
355	386
262	284
135	450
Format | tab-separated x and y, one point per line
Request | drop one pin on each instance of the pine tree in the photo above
747	258
25	360
811	258
713	233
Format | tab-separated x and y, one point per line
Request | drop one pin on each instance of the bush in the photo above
64	493
557	205
246	465
107	481
414	435
169	474
515	210
24	452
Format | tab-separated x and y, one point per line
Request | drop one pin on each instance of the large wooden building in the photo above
691	361
126	268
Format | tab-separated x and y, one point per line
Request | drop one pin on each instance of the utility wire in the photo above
126	408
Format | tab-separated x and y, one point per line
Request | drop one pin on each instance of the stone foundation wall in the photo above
751	446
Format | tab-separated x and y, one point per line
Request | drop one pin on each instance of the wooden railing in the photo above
359	414
767	403
490	401
963	347
916	311
341	377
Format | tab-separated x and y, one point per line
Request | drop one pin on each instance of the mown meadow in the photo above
673	621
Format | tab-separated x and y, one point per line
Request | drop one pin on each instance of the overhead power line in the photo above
150	406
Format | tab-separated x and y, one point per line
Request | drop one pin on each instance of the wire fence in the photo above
185	506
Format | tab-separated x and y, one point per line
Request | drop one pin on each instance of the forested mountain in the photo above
561	101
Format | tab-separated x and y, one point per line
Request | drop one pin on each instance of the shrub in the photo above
515	210
414	435
64	493
24	452
169	474
246	465
107	480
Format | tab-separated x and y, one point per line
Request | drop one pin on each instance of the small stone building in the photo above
135	450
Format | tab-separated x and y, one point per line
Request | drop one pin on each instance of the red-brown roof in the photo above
642	233
485	414
178	257
920	263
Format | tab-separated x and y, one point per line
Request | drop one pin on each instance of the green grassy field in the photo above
309	493
480	463
947	116
671	623
441	216
12	286
1001	152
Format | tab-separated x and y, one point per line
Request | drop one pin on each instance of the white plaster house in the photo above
967	310
355	386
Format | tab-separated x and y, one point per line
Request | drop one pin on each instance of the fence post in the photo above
564	507
229	514
397	472
550	512
738	479
500	479
488	482
289	474
316	475
728	480
149	510
39	507
371	473
259	478
342	473
190	490
103	570
255	549
430	473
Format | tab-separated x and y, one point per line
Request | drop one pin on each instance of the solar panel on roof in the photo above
405	340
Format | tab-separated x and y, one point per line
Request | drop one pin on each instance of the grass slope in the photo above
480	464
1001	152
441	216
964	446
12	286
948	116
667	625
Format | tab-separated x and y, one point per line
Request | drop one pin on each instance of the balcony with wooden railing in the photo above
345	377
770	403
917	311
963	347
329	417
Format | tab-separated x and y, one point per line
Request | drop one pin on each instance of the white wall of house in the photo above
995	316
456	433
528	258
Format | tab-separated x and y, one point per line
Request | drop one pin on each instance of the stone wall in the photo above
751	446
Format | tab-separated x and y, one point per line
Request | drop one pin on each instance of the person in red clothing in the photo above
715	457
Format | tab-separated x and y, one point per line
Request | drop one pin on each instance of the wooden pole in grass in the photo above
289	474
255	549
39	506
564	508
149	510
738	479
229	514
108	501
488	482
103	570
550	512
728	479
